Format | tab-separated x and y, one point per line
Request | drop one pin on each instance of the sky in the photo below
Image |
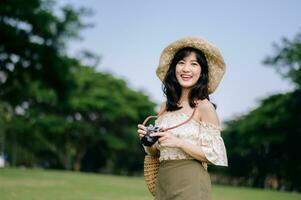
130	36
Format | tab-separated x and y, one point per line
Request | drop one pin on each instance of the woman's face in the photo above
188	71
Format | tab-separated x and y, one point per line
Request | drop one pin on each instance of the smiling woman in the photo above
190	69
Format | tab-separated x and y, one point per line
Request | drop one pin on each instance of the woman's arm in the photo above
168	140
193	150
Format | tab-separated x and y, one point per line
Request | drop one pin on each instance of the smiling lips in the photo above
186	77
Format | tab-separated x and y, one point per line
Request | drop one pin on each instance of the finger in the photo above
140	126
162	139
158	134
141	132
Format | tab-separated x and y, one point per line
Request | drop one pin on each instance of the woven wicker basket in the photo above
151	168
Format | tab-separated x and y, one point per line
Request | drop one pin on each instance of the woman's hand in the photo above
166	139
141	130
149	150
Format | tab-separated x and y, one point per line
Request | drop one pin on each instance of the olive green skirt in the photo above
182	180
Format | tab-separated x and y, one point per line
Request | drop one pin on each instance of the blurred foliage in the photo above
56	111
265	142
32	51
287	59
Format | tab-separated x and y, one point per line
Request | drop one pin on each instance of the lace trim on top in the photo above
200	133
204	124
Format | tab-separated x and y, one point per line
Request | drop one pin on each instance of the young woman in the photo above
190	69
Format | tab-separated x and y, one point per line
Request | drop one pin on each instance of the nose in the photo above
185	68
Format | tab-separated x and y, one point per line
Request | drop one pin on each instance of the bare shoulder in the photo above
162	107
207	112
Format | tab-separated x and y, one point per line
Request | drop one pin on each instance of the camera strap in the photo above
172	127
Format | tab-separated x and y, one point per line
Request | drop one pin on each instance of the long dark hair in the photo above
171	87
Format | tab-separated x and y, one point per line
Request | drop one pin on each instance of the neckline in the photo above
202	123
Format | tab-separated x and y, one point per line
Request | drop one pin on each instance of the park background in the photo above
77	76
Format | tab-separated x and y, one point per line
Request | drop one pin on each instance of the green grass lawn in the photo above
36	184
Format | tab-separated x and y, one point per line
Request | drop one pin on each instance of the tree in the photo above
63	114
35	72
265	141
287	59
32	49
104	112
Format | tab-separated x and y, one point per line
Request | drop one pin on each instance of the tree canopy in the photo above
58	112
265	141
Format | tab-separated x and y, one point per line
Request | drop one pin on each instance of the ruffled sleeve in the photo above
212	144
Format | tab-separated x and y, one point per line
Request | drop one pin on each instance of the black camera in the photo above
148	140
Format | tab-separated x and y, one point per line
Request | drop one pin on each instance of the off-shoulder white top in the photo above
205	135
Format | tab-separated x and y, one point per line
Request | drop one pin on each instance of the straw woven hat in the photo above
216	64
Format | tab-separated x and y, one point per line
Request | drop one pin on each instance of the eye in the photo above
181	62
195	64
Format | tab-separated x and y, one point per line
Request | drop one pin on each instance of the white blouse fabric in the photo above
205	135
